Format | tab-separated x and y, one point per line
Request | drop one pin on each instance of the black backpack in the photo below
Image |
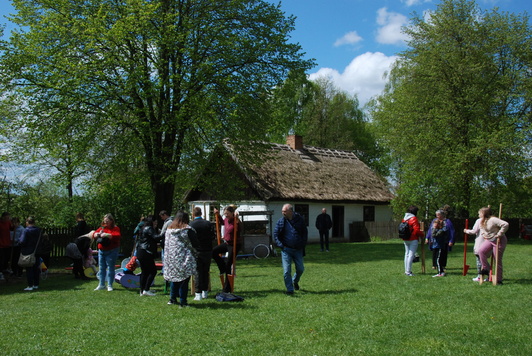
404	230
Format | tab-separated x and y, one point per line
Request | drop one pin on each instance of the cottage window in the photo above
369	213
302	209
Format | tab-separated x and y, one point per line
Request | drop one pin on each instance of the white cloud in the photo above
364	76
349	38
414	2
390	27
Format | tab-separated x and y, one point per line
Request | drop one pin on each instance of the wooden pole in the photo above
218	236
494	273
466	266
422	228
231	277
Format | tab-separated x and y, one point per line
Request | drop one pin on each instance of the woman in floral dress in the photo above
180	257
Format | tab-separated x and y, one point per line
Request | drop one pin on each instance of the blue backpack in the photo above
228	297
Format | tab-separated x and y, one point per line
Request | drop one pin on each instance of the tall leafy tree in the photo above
173	76
456	112
326	117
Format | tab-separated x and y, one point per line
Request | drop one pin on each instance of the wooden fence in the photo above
388	230
60	237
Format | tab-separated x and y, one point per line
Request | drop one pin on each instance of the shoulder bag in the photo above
26	261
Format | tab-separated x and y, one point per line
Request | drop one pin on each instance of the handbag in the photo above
26	261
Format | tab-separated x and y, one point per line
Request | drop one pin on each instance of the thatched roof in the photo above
312	173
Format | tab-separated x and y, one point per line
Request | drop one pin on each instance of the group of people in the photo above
16	240
440	239
188	250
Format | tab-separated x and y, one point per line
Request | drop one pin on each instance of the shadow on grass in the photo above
213	304
303	291
356	252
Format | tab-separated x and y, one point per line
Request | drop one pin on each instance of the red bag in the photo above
132	264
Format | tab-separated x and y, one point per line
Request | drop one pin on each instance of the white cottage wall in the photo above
352	213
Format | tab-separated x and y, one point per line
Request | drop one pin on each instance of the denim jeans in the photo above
288	255
107	260
33	273
179	289
410	252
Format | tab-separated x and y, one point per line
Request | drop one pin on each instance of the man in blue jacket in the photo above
291	236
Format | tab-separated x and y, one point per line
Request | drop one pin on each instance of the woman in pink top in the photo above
491	229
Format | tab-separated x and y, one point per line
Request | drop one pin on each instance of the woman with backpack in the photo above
411	237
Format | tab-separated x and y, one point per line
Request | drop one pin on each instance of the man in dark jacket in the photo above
324	224
205	233
291	236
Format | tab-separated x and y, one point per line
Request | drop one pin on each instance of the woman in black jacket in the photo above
146	252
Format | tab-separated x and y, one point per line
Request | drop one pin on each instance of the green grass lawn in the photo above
354	300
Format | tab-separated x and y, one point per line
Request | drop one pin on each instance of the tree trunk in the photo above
164	197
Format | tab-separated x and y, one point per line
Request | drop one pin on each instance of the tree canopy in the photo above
326	117
170	78
456	112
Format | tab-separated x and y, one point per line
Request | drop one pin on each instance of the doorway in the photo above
338	221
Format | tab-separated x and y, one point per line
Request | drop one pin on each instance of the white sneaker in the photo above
99	288
439	275
28	288
477	279
148	293
204	294
409	274
198	296
109	288
35	287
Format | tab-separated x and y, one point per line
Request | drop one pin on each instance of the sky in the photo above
354	42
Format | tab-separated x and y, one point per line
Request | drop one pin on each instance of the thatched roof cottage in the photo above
310	178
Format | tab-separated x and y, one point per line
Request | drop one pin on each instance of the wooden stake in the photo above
494	273
218	236
466	266
422	228
231	276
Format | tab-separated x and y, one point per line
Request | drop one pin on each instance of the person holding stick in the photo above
491	230
227	245
291	236
411	243
478	242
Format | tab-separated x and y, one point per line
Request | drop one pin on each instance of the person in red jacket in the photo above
5	243
413	241
108	237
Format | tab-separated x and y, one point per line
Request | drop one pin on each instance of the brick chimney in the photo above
295	142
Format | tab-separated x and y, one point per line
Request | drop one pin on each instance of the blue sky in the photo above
354	41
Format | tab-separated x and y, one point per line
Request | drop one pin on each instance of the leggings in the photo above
485	251
149	270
